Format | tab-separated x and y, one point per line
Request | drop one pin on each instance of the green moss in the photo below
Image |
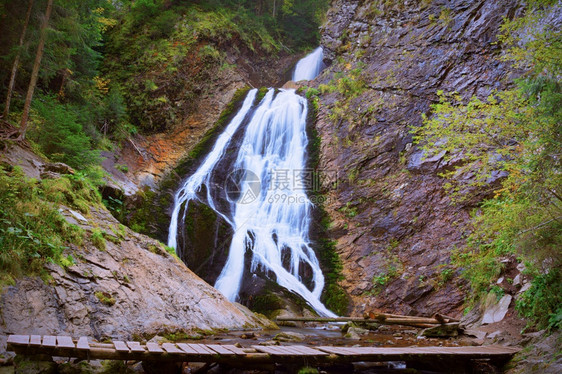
181	335
261	94
333	295
98	239
115	367
32	230
267	304
105	298
308	370
154	249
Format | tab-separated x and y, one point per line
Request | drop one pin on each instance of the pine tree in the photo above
17	61
35	71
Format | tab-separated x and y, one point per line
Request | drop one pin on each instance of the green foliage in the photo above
32	230
59	134
98	239
516	132
105	298
542	303
350	84
122	168
349	210
162	54
181	336
333	295
75	191
382	279
308	370
445	275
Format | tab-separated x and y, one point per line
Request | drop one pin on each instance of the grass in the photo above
32	230
105	298
98	240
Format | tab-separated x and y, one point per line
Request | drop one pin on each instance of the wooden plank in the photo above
187	349
234	349
289	350
269	349
220	349
171	348
83	343
18	339
202	349
340	351
486	351
135	347
49	341
154	348
279	350
120	346
35	340
309	351
65	342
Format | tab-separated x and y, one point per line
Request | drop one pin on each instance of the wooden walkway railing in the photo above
65	346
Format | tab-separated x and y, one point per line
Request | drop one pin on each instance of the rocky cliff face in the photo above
122	284
149	158
393	221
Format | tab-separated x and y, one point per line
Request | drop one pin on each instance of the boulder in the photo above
355	333
442	331
58	167
496	311
287	336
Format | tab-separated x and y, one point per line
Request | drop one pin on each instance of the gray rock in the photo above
475	333
287	336
495	334
441	331
525	287
420	162
355	333
497	311
78	215
58	167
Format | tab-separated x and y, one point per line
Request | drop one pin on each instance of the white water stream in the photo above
271	214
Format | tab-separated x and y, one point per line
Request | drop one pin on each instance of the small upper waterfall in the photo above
310	66
268	208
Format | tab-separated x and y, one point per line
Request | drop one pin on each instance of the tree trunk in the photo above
17	61
35	71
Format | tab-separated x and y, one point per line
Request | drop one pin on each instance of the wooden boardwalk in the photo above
66	346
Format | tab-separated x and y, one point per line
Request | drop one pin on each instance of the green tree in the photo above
17	60
35	71
517	134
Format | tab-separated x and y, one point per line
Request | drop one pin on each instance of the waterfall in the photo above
310	66
268	210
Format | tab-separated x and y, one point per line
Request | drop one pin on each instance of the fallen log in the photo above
417	322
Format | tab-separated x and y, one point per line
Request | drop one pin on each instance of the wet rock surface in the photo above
394	223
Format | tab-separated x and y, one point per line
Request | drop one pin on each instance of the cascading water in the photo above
310	66
268	209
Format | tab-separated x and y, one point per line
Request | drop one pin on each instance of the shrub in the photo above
60	135
32	230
